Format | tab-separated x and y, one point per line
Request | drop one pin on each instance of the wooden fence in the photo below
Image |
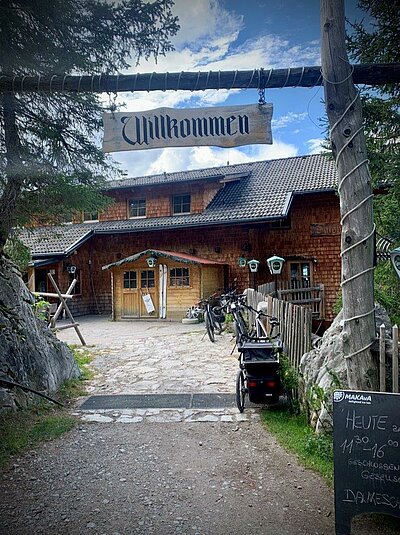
297	292
295	324
389	350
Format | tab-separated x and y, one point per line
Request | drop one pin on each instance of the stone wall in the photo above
29	353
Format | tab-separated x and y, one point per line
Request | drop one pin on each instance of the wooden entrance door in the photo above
130	294
149	285
134	283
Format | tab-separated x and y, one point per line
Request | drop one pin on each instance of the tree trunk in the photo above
348	145
13	172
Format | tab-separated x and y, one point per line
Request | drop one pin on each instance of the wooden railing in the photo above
297	292
389	351
295	324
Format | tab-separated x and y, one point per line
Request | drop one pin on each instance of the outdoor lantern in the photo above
71	269
253	265
275	264
395	258
242	262
151	261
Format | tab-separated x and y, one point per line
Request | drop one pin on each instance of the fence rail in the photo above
295	324
389	354
297	292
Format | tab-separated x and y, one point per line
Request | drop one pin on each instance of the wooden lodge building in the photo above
181	236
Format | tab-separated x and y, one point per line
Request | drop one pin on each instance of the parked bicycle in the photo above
259	349
213	313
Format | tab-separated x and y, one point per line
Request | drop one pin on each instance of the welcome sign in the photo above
229	126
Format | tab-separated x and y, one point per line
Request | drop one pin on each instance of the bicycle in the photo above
214	316
259	352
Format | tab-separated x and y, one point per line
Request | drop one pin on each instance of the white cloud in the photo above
315	145
202	20
176	159
209	40
289	118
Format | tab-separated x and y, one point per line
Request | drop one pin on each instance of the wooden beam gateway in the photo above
368	74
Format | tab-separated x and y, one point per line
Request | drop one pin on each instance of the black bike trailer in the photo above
258	375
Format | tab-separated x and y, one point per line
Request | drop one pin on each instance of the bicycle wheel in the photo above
240	391
209	327
218	319
218	327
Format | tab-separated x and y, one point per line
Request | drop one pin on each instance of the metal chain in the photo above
261	89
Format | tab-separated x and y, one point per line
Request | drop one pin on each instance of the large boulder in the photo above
29	352
325	366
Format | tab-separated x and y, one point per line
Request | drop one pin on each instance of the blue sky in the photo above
230	35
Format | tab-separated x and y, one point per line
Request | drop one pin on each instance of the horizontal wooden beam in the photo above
48	294
368	74
68	326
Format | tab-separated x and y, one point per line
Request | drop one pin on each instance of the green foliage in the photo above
374	42
293	433
26	429
41	308
320	446
18	252
338	305
289	377
50	160
387	290
77	387
374	39
318	398
288	374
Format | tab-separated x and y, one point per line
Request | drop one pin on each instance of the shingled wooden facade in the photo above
233	215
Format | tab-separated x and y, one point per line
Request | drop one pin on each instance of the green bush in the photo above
387	290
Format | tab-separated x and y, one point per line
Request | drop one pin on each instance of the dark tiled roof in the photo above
60	240
264	192
179	176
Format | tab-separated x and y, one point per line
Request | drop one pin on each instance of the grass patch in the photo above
44	421
294	434
74	388
27	428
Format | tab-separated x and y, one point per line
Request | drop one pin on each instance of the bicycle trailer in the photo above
259	369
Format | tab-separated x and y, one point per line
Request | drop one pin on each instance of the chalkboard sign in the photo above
366	428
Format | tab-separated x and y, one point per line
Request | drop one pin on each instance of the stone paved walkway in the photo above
152	357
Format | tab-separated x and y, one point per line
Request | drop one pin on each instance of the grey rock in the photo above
29	352
325	365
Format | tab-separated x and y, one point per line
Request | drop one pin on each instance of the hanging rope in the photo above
364	240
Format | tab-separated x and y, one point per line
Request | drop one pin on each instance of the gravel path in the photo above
164	479
164	472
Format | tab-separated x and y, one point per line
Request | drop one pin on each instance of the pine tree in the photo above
376	39
50	162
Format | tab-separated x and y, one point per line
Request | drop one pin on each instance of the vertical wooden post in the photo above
382	359
395	360
52	323
348	145
67	310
